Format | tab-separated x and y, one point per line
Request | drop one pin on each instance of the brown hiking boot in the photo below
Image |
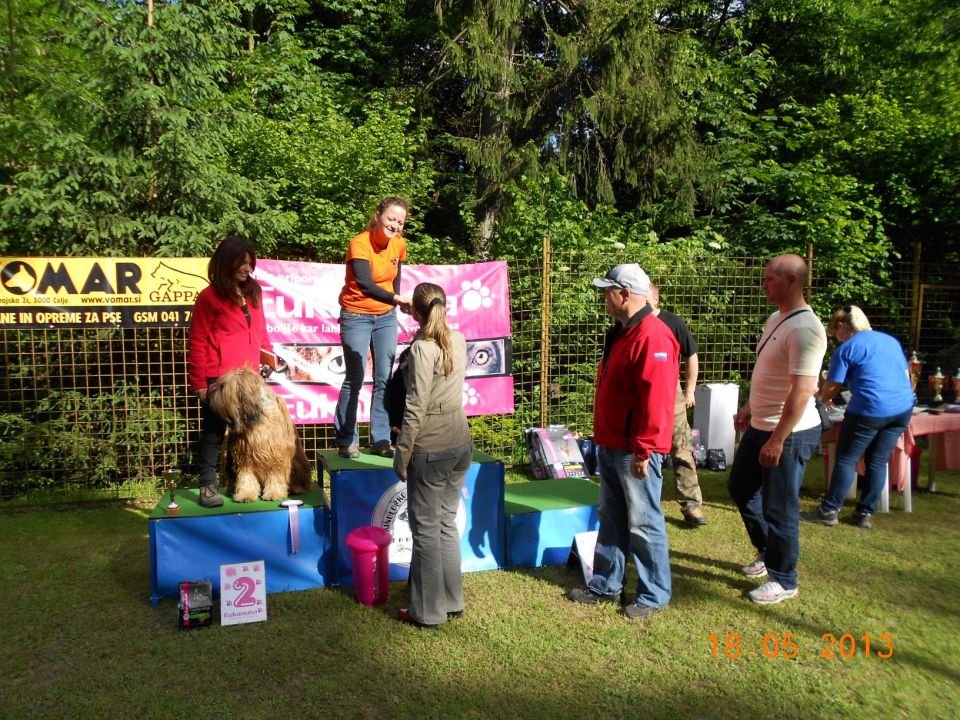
210	496
693	516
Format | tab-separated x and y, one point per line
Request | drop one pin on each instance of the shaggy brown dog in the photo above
263	441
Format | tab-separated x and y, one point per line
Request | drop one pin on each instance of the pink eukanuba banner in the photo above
302	310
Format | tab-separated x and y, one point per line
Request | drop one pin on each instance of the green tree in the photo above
124	149
595	89
880	83
331	169
479	87
330	143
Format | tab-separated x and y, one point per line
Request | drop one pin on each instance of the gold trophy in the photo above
914	367
936	385
171	477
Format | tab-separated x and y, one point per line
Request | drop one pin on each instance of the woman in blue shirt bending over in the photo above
881	404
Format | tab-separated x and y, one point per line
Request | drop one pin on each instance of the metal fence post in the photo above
545	316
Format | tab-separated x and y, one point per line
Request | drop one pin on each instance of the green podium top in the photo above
541	495
188	499
334	463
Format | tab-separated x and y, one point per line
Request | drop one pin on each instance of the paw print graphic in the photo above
475	295
470	396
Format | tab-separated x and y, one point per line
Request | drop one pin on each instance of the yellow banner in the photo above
98	292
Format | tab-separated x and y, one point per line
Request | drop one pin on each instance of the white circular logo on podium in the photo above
391	515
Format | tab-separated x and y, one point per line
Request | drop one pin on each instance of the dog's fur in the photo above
267	453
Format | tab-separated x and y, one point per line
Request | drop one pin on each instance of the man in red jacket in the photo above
633	429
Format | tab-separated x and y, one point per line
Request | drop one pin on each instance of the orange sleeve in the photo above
359	247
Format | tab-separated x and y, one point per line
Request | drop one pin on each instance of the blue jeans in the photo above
769	498
631	521
870	438
358	334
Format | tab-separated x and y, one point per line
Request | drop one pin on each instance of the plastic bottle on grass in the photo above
699	450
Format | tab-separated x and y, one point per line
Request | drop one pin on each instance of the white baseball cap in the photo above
628	276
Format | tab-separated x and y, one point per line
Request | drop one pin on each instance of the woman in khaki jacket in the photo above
433	454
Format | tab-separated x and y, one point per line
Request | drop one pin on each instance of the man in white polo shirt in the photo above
781	430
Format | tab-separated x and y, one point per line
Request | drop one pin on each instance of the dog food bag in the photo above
554	453
195	607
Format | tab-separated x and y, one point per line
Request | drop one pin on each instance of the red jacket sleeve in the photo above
652	418
265	343
200	360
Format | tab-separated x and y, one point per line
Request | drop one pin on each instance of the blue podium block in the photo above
195	542
366	491
543	516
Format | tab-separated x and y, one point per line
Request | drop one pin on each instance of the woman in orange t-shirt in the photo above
368	321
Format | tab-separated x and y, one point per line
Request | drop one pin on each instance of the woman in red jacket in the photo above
227	331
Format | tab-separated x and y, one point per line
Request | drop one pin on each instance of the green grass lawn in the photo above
80	639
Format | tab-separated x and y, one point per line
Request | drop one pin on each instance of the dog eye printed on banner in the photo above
484	357
324	363
314	363
488	357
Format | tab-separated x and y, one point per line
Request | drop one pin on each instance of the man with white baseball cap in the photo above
628	276
633	429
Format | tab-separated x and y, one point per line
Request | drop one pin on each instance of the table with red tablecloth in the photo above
943	431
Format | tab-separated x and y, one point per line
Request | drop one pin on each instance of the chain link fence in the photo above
104	413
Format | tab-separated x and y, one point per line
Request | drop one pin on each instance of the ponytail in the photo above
430	302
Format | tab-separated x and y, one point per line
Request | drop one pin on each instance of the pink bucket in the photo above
370	557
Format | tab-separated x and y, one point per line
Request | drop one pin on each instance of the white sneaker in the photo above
756	569
772	592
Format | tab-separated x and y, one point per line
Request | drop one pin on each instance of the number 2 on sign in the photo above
245	587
